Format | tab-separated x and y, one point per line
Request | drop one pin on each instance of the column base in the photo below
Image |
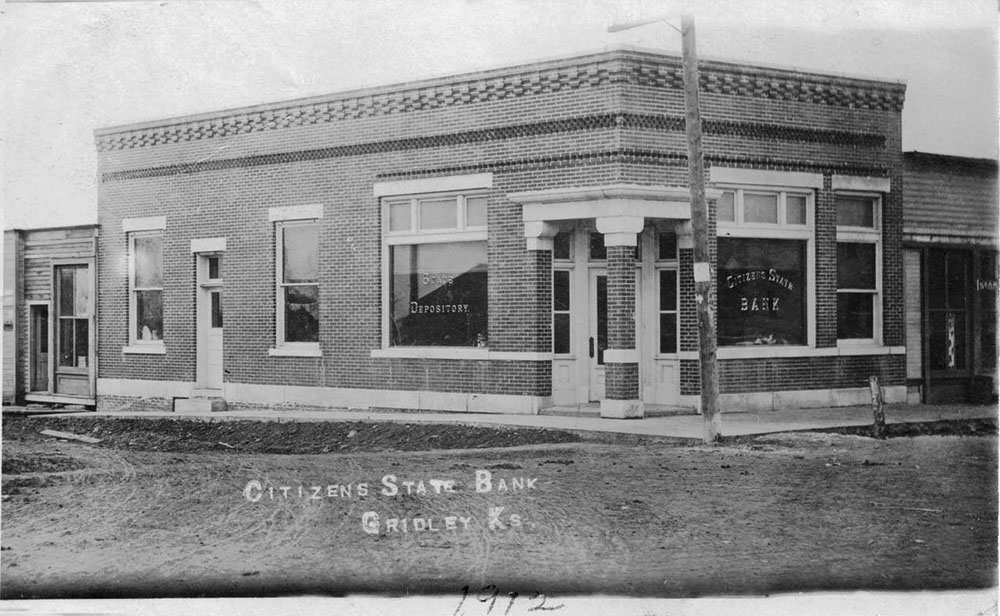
621	409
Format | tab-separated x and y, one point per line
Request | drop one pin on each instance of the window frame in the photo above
782	230
281	345
414	235
864	235
133	303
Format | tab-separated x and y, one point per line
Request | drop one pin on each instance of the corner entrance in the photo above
580	317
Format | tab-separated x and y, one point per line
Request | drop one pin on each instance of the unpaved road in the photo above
769	514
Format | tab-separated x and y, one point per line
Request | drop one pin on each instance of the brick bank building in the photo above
507	241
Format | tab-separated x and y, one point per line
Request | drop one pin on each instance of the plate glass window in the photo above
438	276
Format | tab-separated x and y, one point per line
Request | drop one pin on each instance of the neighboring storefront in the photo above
950	260
49	315
507	241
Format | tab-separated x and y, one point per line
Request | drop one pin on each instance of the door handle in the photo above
591	346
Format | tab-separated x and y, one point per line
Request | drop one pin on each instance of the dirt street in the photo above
775	513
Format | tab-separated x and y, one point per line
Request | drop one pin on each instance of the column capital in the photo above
538	235
620	230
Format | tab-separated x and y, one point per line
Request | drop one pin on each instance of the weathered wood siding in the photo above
949	197
39	249
11	326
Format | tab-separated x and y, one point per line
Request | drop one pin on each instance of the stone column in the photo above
621	359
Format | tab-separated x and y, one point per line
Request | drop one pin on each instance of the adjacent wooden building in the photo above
950	262
49	327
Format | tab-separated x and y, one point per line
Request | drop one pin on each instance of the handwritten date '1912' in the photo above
489	595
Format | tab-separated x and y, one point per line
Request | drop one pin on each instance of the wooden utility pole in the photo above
711	417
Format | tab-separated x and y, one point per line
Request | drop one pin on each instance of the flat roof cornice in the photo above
559	72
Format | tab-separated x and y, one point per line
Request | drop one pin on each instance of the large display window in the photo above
438	274
761	291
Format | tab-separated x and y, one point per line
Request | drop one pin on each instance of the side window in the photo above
145	288
297	249
858	267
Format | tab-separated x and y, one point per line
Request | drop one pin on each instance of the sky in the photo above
68	68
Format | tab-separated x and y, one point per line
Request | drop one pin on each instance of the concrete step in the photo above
594	410
197	406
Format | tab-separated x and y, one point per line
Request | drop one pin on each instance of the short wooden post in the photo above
878	429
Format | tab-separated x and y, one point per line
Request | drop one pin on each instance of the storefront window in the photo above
761	291
439	294
438	278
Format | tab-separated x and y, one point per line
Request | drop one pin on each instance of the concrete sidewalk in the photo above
683	426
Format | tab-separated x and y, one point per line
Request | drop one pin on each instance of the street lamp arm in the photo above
636	24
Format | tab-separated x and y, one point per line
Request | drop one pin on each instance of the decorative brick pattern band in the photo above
611	68
750	130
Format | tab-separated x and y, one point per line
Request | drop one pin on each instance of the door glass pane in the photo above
148	261
667	246
597	250
216	309
561	246
438	214
560	290
560	333
39	348
760	208
214	268
66	342
300	253
81	295
986	290
67	281
668	332
936	278
82	348
947	340
668	290
955	282
602	318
